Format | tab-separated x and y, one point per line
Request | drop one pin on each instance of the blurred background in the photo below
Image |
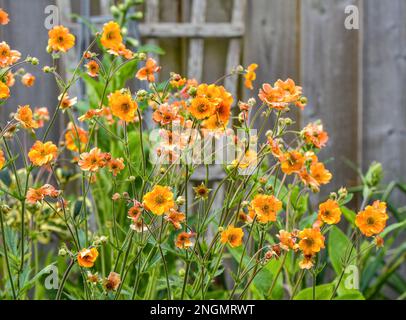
354	78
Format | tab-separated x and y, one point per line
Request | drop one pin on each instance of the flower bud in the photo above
180	201
62	252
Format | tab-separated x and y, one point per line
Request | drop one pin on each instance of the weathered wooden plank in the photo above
152	16
384	79
195	59
329	75
234	48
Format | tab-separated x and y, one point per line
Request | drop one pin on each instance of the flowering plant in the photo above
117	198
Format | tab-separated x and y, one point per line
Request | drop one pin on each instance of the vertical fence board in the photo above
329	72
384	114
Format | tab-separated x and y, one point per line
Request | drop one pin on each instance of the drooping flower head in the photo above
183	240
92	68
250	75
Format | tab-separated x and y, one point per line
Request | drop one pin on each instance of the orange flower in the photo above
183	240
112	282
307	262
313	134
312	241
60	39
10	79
138	225
87	257
41	115
292	162
320	173
177	81
159	200
92	161
232	236
281	94
75	137
275	146
175	218
202	108
250	75
37	195
4	91
42	153
329	212
25	117
116	165
111	37
166	114
372	220
287	240
28	80
66	102
147	72
122	105
2	159
265	208
247	160
4	17
8	56
92	68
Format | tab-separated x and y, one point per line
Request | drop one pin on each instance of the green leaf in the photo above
323	292
150	48
353	295
393	227
338	246
349	215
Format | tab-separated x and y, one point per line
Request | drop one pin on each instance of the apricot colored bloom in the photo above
92	68
42	153
147	72
281	94
67	102
87	257
166	114
250	75
287	240
28	80
233	236
135	211
93	160
112	282
4	91
10	79
292	162
314	134
7	56
122	105
329	212
60	39
247	160
138	225
111	37
183	240
265	208
311	241
4	19
75	138
372	220
24	116
122	51
116	165
176	218
159	200
320	173
41	115
37	195
2	159
201	191
307	262
201	108
177	81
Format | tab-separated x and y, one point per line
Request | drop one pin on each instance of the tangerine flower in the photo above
250	75
37	195
287	240
93	160
60	39
122	105
202	108
28	80
292	162
175	218
116	165
2	159
92	68
329	212
265	208
147	72
183	240
111	37
4	91
319	173
42	153
87	257
281	94
66	102
24	116
372	220
165	114
159	200
233	236
8	56
4	19
75	138
314	134
311	241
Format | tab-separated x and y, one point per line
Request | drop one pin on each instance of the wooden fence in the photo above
355	80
